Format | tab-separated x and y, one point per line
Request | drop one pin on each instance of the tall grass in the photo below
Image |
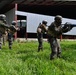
24	59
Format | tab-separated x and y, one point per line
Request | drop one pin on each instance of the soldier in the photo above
2	28
11	32
40	30
54	31
14	25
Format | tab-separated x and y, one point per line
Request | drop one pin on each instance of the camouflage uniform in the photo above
0	41
40	30
2	28
10	40
11	33
54	31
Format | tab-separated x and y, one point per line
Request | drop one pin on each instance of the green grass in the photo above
24	59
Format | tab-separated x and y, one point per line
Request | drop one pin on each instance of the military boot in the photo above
0	48
38	49
59	55
10	47
53	56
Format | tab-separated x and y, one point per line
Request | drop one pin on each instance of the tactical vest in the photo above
54	30
41	28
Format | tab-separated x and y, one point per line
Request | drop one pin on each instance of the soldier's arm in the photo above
44	27
66	28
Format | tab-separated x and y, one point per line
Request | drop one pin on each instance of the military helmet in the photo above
2	17
44	22
58	17
13	22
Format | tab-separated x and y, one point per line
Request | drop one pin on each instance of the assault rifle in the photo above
67	24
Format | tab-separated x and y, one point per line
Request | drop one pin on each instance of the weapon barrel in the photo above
73	25
69	24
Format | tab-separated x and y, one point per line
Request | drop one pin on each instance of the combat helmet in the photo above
58	17
13	23
2	17
44	22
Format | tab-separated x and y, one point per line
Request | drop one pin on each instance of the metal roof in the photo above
65	8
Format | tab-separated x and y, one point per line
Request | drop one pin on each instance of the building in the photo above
14	8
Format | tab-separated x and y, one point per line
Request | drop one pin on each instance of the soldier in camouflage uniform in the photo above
40	30
54	31
2	28
11	32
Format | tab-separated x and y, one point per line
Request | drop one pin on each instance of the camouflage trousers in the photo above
0	41
40	41
10	40
55	47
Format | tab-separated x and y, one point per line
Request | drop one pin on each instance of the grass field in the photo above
24	59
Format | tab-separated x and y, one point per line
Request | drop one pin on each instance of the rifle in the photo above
12	29
67	24
63	29
4	27
67	27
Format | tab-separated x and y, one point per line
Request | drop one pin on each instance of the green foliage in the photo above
24	59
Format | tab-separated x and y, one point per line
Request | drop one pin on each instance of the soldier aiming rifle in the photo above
54	31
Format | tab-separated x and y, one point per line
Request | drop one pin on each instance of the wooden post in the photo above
16	6
26	30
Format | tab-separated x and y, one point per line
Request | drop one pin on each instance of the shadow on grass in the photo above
69	46
24	51
26	57
33	55
69	58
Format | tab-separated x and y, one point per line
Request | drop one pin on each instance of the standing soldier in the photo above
2	28
54	31
11	32
40	30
